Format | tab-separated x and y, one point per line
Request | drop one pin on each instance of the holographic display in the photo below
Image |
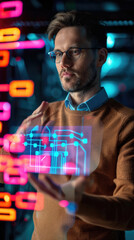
58	150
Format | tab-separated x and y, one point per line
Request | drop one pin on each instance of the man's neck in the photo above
80	97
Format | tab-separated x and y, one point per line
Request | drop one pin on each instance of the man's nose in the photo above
66	61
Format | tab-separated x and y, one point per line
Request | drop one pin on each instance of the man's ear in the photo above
102	57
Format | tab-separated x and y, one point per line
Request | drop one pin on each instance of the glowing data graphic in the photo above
58	150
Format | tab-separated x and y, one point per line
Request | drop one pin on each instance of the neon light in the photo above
7	199
34	200
1	141
31	163
9	34
1	126
6	12
14	143
7	214
69	168
72	208
23	45
63	203
5	59
4	87
6	108
21	177
21	88
5	161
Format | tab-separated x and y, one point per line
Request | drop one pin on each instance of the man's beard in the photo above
77	85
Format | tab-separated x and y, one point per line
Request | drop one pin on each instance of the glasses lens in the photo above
73	53
52	56
58	56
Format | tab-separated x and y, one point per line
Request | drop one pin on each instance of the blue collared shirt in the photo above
91	104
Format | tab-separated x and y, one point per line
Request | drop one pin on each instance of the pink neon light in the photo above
34	200
64	203
21	177
4	87
45	140
33	164
4	13
69	168
23	44
6	108
14	143
1	141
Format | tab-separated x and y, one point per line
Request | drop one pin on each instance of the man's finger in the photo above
40	185
41	108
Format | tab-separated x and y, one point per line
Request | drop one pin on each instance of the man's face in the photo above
81	74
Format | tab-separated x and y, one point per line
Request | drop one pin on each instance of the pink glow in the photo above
1	141
4	87
69	168
6	108
34	200
14	143
21	177
45	140
23	44
18	5
64	203
40	164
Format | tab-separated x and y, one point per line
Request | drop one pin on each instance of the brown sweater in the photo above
107	206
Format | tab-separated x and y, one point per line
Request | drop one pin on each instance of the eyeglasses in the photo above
73	53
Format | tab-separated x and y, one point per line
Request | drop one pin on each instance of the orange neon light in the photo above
1	126
21	88
6	199
9	34
5	161
5	58
34	200
7	214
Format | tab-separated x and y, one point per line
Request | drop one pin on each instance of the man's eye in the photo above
58	54
74	52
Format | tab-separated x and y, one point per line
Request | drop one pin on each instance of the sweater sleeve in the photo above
117	211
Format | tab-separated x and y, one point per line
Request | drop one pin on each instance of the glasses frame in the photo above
67	54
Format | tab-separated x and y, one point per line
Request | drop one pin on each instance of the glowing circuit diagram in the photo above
58	150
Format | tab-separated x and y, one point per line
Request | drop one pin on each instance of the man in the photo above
105	199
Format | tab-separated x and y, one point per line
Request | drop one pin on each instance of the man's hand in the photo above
33	120
70	191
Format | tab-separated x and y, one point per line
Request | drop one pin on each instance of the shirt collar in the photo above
91	104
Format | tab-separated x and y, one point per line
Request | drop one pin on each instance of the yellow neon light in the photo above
9	34
10	214
21	88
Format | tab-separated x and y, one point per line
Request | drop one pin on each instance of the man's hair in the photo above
96	32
